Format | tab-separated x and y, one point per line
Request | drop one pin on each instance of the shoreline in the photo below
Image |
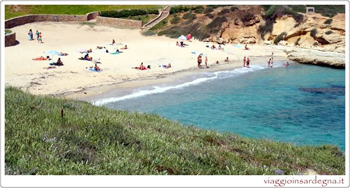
126	87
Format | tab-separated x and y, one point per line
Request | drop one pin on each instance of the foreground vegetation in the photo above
14	11
97	140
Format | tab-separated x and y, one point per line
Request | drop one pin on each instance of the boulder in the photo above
283	43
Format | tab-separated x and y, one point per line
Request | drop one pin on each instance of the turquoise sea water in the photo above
302	104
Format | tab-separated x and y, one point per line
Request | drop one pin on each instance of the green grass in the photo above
97	140
11	12
144	18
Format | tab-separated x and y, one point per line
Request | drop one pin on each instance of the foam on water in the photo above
207	77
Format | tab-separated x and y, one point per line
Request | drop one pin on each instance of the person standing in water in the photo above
268	63
199	60
287	64
206	61
248	62
271	59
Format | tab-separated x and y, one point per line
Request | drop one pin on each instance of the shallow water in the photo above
302	104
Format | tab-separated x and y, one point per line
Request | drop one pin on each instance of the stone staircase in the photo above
162	15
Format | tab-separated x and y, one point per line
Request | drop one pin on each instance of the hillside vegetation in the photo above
20	10
46	135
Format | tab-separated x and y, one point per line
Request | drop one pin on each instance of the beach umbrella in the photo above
182	37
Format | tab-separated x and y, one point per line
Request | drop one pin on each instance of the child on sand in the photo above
40	39
37	34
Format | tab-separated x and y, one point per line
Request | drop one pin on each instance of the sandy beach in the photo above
74	79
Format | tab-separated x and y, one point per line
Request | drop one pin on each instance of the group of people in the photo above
213	47
246	62
38	35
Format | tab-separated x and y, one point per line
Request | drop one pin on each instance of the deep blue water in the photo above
303	104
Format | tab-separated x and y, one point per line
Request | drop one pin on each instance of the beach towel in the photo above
54	64
237	46
193	53
93	70
114	53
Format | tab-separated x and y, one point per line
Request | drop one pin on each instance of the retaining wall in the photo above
10	39
10	23
92	15
119	23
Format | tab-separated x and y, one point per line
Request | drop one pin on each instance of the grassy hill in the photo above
19	10
86	139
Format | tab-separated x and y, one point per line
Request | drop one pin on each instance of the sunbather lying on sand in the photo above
167	66
141	67
125	47
50	67
42	58
63	54
100	47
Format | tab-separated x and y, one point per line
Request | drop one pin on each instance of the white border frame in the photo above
161	181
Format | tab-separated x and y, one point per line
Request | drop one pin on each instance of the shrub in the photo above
201	33
198	9
233	9
329	32
223	12
123	13
208	10
189	16
7	31
159	25
315	43
313	32
267	28
331	15
209	15
217	22
217	6
175	20
190	28
152	11
279	37
298	8
172	32
149	33
179	8
329	21
247	17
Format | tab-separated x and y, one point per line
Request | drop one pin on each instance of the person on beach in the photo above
113	42
37	34
63	54
125	47
30	34
213	47
168	66
177	43
248	62
59	62
182	44
287	64
217	62
40	39
199	60
244	61
269	63
271	59
100	47
97	68
87	57
246	47
206	61
226	60
142	67
42	58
